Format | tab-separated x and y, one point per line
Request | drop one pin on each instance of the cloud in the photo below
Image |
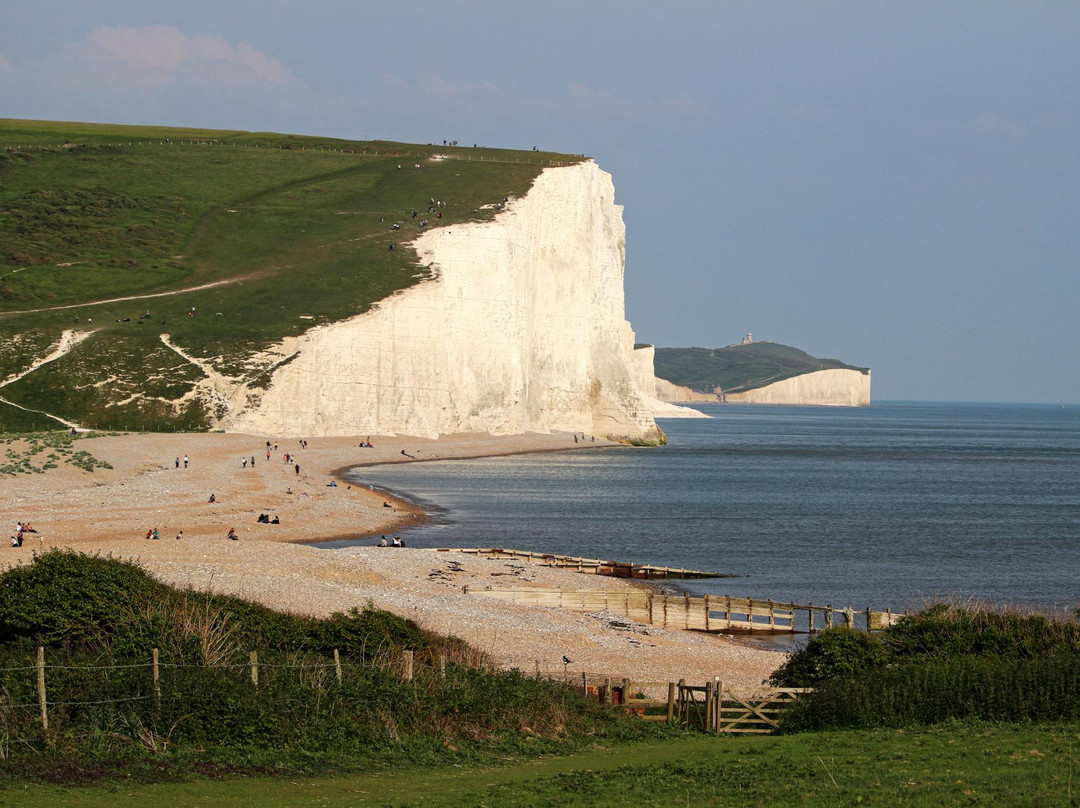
433	88
580	98
7	69
154	57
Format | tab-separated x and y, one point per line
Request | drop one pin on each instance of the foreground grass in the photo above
961	764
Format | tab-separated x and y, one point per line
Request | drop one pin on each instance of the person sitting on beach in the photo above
156	534
150	533
383	542
263	518
213	498
15	542
275	520
331	484
27	529
397	542
232	534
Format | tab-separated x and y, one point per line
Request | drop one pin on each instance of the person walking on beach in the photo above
185	461
243	462
297	469
178	461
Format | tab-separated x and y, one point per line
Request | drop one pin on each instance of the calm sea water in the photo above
881	506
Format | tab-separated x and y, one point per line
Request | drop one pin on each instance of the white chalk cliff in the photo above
836	387
520	329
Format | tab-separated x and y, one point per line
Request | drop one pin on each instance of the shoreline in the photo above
110	510
417	514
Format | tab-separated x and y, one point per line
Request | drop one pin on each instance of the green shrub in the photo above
72	598
947	631
835	652
100	618
1046	689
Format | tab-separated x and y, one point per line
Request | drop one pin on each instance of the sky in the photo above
896	185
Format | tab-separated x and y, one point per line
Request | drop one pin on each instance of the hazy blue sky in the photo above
892	184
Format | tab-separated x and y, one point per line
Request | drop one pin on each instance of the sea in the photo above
888	506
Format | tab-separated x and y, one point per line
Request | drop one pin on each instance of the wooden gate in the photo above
716	708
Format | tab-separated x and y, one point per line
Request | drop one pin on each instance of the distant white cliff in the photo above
835	387
522	328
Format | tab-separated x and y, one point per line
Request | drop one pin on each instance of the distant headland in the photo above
758	372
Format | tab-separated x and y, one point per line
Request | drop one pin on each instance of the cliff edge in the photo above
520	329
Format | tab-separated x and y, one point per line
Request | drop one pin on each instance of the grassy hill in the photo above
738	367
264	235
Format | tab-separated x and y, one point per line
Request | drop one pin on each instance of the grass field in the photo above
283	233
962	765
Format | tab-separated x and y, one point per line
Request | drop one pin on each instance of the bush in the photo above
947	631
835	652
1046	689
72	598
100	619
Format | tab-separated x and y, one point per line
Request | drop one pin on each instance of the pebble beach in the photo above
111	510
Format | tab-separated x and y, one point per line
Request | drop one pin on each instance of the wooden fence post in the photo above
442	664
157	681
584	684
337	665
253	660
682	700
41	688
719	704
625	690
708	706
407	672
670	701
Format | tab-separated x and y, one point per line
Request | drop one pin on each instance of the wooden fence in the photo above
590	566
404	664
712	706
702	613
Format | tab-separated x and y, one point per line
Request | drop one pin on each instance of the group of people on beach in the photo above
21	528
394	542
154	534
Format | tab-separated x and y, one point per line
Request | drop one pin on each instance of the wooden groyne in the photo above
589	566
713	613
